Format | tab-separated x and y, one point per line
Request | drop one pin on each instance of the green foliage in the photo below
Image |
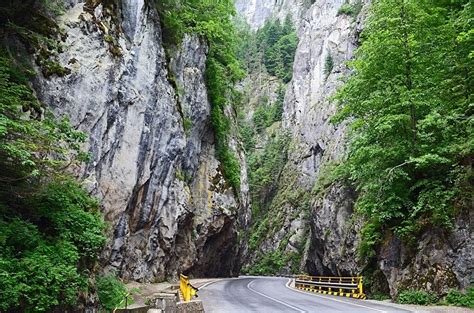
247	134
380	296
42	245
277	44
411	119
187	124
328	64
258	233
32	22
265	168
268	264
25	141
211	20
350	9
73	215
53	68
55	7
277	108
217	85
328	174
274	46
112	292
272	262
416	297
371	235
455	297
266	114
50	228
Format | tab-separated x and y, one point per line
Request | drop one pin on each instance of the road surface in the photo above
272	294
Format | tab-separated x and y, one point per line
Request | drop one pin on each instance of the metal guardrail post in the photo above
187	290
360	286
338	286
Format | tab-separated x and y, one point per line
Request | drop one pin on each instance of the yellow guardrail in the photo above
187	290
338	286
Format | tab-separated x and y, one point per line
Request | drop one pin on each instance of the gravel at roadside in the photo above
426	309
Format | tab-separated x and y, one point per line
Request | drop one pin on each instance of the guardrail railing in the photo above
338	286
187	290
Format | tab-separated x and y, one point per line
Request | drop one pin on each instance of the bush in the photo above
266	166
455	297
350	9
328	64
268	264
45	254
345	9
50	228
258	233
412	296
215	24
112	292
379	296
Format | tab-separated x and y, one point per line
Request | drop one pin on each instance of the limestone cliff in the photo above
153	162
311	214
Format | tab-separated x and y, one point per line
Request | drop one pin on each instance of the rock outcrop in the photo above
321	218
153	162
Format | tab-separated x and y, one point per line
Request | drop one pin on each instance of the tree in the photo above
411	129
50	228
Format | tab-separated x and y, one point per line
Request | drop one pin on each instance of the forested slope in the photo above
375	175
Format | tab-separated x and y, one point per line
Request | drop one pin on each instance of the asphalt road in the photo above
272	294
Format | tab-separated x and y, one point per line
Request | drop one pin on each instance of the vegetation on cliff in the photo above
273	45
50	228
410	104
213	21
268	56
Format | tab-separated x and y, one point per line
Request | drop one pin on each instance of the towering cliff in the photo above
308	218
156	150
153	156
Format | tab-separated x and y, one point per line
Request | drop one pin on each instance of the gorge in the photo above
216	142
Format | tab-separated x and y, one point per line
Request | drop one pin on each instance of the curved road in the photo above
272	294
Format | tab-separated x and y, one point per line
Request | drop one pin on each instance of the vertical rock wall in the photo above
330	229
153	162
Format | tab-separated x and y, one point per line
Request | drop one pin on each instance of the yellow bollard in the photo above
187	290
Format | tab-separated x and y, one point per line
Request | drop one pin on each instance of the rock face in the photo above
325	231
256	12
324	35
440	260
153	162
329	230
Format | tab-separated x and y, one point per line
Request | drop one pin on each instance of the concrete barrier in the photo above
166	302
134	309
193	306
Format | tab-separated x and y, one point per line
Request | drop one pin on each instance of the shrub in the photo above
112	292
266	166
412	296
350	9
214	23
379	296
187	125
258	233
39	255
328	64
268	264
455	297
345	9
50	228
